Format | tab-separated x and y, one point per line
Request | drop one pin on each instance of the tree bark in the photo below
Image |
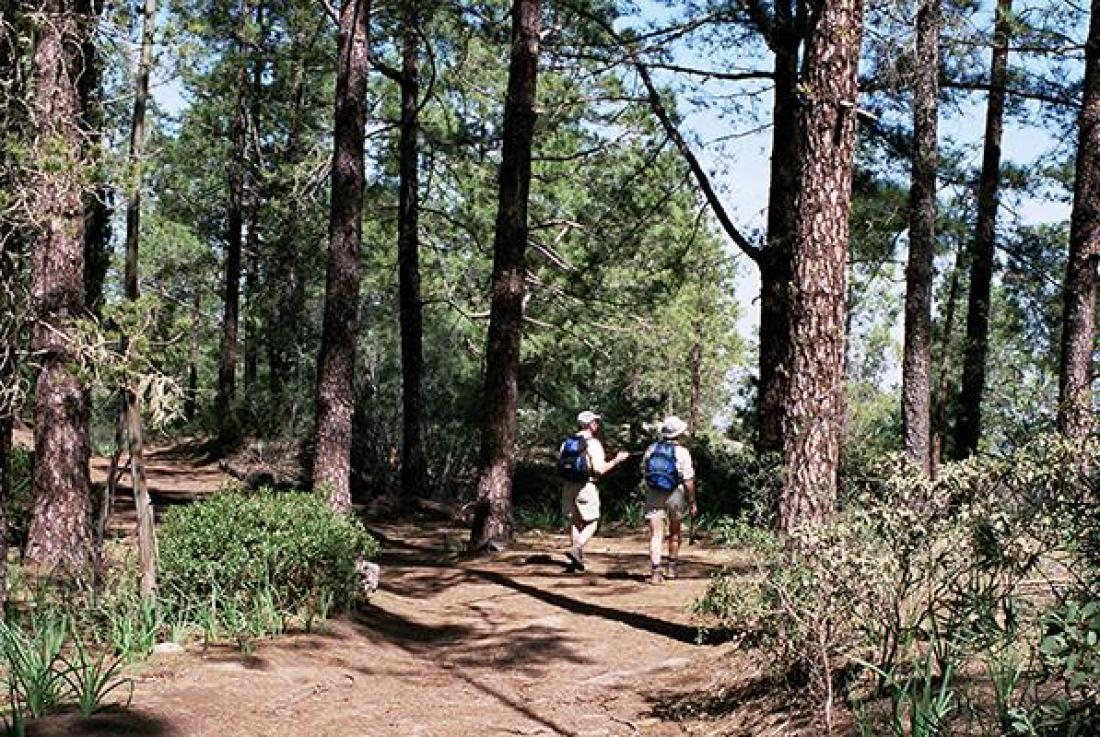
131	400
9	300
968	426
97	209
191	401
494	524
255	196
60	534
7	413
695	364
287	280
940	401
813	392
413	462
229	427
336	366
916	392
1075	405
775	264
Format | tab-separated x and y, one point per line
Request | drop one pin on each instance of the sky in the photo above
740	167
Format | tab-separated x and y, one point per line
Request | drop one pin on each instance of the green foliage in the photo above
541	515
917	578
92	678
48	665
131	624
245	563
20	499
733	481
33	662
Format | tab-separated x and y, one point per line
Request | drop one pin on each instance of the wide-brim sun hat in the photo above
672	427
587	417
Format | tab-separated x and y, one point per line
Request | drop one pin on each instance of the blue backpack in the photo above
573	463
661	473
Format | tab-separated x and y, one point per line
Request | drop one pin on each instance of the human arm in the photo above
687	476
600	464
689	492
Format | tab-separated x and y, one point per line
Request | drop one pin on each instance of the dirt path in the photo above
514	645
509	647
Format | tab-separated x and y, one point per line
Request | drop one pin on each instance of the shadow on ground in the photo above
115	722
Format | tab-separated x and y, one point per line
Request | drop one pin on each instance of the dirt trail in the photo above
512	645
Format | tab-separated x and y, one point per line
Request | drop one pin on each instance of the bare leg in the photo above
583	531
674	538
656	539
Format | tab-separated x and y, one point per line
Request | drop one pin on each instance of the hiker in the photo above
670	489
581	461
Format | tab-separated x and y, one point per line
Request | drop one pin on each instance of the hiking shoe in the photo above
671	569
576	558
656	578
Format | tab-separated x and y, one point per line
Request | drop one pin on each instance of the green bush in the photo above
243	562
914	577
20	499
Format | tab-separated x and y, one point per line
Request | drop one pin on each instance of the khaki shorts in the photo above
659	505
580	500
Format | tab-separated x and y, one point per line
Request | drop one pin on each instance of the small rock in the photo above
369	576
168	648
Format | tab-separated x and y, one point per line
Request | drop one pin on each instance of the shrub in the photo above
239	561
916	578
20	499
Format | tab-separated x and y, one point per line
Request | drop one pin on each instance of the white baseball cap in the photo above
587	417
672	427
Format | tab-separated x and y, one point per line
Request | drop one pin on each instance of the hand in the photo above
694	508
621	456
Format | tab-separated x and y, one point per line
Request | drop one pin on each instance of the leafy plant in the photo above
246	563
32	656
93	678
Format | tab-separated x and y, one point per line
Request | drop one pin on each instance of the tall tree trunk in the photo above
9	335
97	209
131	400
413	461
968	426
775	264
916	392
284	316
60	532
10	302
191	401
255	196
1079	291
813	392
252	294
695	363
493	524
336	366
943	383
229	427
6	422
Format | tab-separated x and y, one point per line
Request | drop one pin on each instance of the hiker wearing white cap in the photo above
670	489
581	460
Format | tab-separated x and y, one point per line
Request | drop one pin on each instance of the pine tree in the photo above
493	523
813	392
968	424
916	365
60	529
339	331
1075	405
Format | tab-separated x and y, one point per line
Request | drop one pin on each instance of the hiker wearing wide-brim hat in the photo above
669	477
581	461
